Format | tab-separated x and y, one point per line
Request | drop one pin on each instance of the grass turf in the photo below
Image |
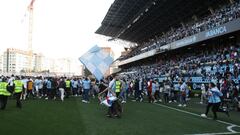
71	117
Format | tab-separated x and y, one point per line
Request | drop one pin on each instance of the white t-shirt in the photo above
10	81
24	81
183	87
110	86
40	84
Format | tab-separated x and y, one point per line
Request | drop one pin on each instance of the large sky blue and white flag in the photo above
97	61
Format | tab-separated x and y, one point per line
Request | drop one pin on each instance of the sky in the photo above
61	28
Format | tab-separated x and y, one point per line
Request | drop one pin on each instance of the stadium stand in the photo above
219	17
177	41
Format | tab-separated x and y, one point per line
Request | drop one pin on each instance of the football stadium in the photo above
178	74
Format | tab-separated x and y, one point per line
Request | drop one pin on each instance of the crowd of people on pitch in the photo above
223	15
123	87
214	94
49	88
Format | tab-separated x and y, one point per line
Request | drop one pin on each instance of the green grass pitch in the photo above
71	117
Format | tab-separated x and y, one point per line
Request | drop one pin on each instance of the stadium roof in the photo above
141	20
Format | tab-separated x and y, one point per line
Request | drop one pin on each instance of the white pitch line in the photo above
229	128
194	114
223	133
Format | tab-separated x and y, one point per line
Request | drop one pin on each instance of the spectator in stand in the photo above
220	16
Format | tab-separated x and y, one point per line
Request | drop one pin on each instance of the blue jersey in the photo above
154	88
74	84
214	95
86	84
49	84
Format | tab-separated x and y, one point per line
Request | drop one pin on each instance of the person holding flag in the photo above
111	101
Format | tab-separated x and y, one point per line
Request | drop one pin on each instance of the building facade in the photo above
17	61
